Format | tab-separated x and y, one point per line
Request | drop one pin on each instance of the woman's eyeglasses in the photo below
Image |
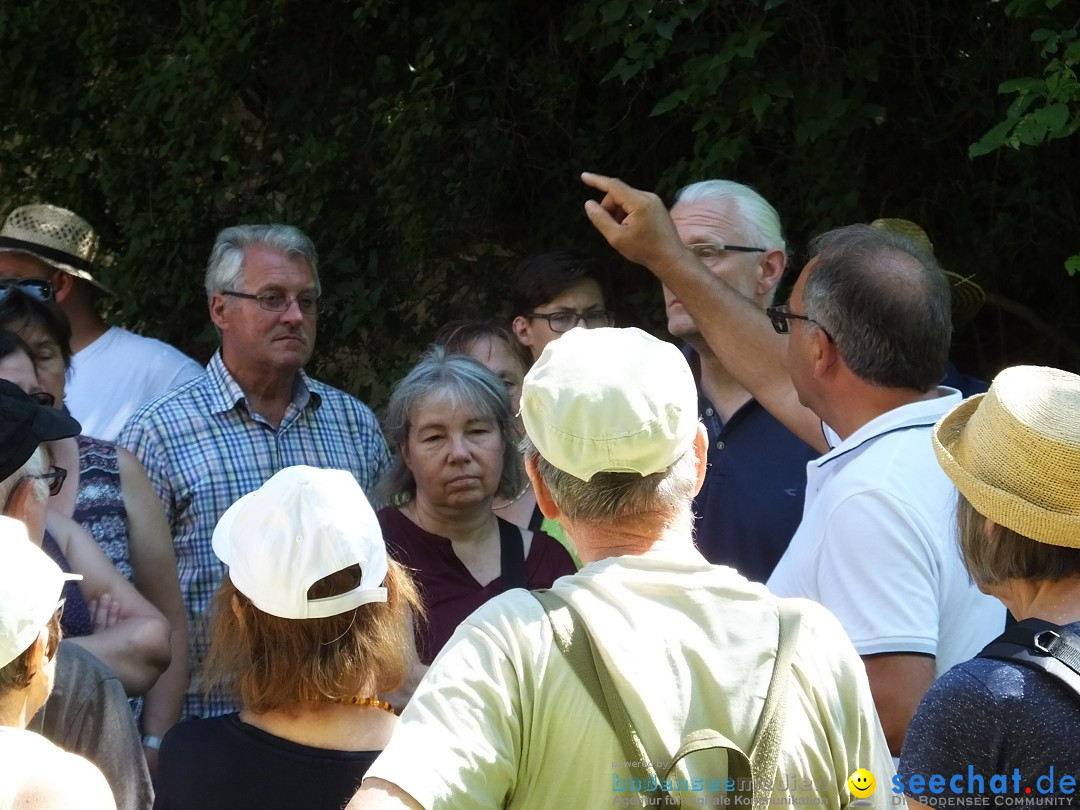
55	476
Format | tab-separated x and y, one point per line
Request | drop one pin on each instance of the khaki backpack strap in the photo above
760	766
572	638
765	751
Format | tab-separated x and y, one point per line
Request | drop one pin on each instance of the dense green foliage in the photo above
425	147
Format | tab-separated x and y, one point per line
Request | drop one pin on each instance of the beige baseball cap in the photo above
610	400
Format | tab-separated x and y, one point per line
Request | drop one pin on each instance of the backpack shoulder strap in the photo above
765	750
1040	644
572	638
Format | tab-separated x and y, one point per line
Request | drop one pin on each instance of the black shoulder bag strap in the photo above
512	554
1041	645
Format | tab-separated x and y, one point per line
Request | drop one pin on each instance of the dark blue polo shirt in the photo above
752	499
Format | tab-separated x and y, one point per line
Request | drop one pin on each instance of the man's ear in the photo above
217	304
701	450
63	285
543	494
37	651
771	269
522	330
823	353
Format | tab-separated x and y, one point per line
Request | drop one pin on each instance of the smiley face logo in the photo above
861	783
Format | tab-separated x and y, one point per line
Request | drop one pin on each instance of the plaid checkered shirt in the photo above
203	449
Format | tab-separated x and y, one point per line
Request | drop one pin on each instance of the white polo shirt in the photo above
877	543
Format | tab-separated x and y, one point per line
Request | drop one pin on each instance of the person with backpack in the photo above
649	676
1014	454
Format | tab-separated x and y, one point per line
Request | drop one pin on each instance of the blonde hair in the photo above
272	663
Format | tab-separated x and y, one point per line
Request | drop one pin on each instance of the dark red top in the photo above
448	589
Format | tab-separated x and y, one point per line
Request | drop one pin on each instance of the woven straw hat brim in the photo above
1021	477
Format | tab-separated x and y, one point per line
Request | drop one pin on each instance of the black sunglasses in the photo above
37	288
781	314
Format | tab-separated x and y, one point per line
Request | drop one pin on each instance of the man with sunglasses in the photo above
751	501
214	439
554	292
50	253
852	365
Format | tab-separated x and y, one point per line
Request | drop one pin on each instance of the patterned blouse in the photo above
99	502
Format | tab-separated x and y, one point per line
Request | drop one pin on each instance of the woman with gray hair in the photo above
1014	455
449	421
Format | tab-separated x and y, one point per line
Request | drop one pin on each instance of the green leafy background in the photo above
426	147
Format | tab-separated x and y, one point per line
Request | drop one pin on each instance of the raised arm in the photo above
637	224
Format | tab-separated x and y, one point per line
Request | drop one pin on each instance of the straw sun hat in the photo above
967	296
1014	453
55	235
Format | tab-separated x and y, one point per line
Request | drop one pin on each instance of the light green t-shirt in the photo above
501	720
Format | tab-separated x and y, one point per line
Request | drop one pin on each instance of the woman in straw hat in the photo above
310	626
1014	455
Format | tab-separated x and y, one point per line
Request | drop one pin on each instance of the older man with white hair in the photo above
516	712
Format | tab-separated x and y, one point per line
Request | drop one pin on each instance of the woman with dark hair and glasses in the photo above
109	495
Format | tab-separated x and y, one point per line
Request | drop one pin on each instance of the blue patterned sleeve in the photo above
957	725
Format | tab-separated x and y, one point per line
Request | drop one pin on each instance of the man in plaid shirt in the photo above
220	436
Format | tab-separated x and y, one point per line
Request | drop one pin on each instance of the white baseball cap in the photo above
610	400
30	588
302	525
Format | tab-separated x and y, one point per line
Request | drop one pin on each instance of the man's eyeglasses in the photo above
279	302
55	478
566	320
781	314
709	252
37	288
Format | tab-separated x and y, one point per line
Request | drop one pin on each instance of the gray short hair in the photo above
37	464
890	322
226	263
609	497
757	217
464	381
1000	554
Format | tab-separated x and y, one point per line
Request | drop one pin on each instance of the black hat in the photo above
24	425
